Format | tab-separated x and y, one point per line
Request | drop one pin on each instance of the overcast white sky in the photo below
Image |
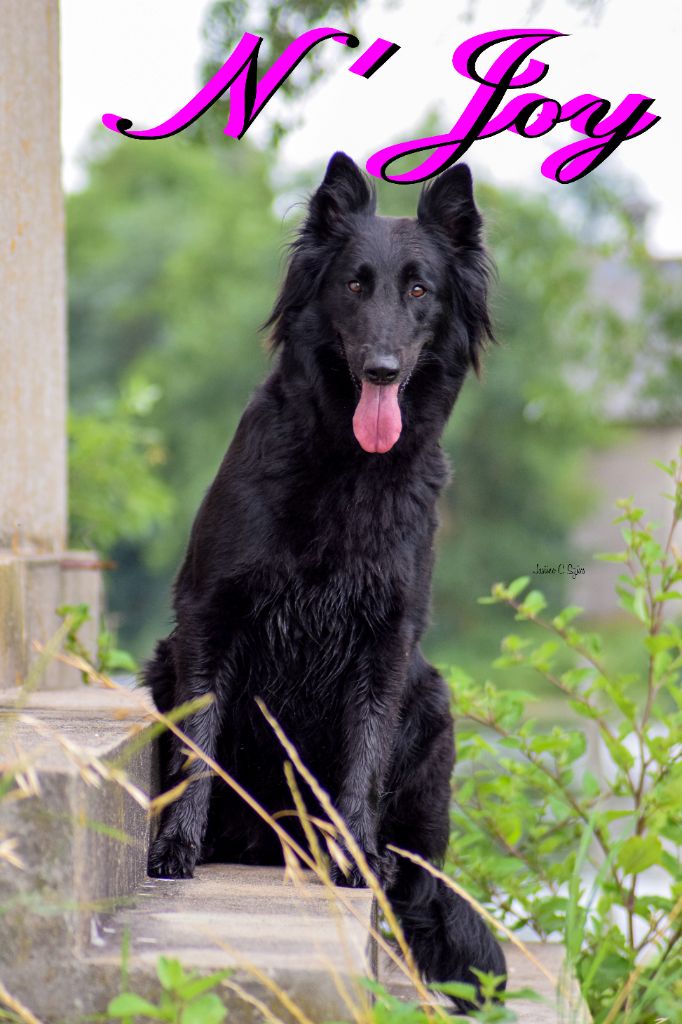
140	59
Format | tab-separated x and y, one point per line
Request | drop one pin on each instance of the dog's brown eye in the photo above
417	291
355	287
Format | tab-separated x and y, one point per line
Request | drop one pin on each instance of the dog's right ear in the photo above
344	190
448	202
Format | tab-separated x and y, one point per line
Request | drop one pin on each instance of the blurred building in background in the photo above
650	433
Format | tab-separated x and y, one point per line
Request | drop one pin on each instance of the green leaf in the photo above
639	853
619	752
668	468
533	604
512	642
79	614
639	605
457	989
660	642
542	657
584	710
197	986
117	660
130	1005
591	787
523	993
206	1010
170	972
574	677
626	599
517	585
566	616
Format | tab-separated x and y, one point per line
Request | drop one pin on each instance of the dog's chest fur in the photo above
344	577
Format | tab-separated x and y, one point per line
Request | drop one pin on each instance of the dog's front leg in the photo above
177	846
369	727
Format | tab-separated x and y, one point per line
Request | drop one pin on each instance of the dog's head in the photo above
393	294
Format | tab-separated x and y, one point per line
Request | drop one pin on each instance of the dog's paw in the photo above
382	866
350	878
171	856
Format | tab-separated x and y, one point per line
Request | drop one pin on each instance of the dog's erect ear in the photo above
343	190
448	201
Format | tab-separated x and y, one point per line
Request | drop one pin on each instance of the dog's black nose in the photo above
381	369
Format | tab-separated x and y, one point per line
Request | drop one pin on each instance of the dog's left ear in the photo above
448	202
343	191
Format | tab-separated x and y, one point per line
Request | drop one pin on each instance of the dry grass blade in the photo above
289	844
23	773
247	997
8	853
355	851
337	855
167	722
302	811
357	1012
319	823
416	859
633	978
17	1007
76	661
291	849
46	653
267	982
293	870
168	797
92	769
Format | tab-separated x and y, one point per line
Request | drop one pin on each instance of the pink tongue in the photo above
377	422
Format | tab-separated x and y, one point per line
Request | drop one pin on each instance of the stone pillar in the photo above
33	321
36	574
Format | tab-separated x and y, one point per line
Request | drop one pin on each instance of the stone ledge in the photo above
70	834
68	962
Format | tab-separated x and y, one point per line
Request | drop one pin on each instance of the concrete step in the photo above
294	934
82	839
83	894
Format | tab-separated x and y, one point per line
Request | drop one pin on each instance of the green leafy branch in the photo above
540	836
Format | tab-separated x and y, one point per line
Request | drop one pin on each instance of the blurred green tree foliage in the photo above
518	436
174	254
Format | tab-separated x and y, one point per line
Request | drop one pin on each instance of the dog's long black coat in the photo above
307	577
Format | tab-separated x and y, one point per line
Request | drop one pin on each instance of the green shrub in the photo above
536	834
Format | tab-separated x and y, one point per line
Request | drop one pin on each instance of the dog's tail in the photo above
446	935
159	674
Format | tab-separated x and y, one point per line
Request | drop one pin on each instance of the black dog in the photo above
307	576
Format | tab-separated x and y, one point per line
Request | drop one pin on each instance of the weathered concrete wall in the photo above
82	840
32	303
